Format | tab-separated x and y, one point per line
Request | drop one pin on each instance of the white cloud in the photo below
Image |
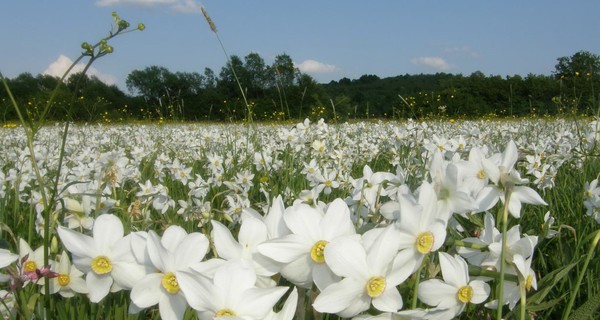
58	68
313	66
184	6
432	62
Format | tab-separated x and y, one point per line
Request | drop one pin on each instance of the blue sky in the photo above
328	39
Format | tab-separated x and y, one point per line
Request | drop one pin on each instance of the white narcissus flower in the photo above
456	290
515	245
69	279
526	274
368	277
452	194
252	233
488	236
32	262
79	213
421	229
106	258
231	293
175	251
370	186
505	176
302	251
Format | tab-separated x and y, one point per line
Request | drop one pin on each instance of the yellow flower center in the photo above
528	282
169	282
63	279
30	266
225	312
101	265
317	252
481	174
424	242
328	183
465	294
375	286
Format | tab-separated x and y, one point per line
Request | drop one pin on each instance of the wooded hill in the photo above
280	91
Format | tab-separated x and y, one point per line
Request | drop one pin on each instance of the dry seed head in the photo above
211	24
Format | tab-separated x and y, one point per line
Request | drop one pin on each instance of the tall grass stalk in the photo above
32	126
213	28
500	290
590	254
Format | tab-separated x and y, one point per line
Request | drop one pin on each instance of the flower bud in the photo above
86	46
54	245
141	26
123	24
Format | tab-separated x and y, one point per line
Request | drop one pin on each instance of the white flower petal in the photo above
336	221
108	229
227	247
323	276
197	291
288	310
383	251
389	301
173	237
491	170
257	302
253	231
454	270
127	274
304	220
7	257
347	258
191	250
274	219
509	156
435	292
158	254
77	243
234	278
172	306
286	249
340	296
99	286
481	291
147	291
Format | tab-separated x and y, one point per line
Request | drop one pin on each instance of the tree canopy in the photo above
280	91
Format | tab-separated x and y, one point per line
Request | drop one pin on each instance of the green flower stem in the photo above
461	243
416	288
479	272
523	292
581	275
500	289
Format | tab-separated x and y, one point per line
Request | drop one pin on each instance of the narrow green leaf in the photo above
587	310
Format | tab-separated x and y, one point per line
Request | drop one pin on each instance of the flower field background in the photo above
297	220
386	219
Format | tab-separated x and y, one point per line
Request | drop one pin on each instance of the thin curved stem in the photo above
500	289
581	275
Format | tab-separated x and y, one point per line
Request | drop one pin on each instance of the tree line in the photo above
279	91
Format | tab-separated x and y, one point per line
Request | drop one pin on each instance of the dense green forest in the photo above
279	91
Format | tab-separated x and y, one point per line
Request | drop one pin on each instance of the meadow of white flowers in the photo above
367	220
